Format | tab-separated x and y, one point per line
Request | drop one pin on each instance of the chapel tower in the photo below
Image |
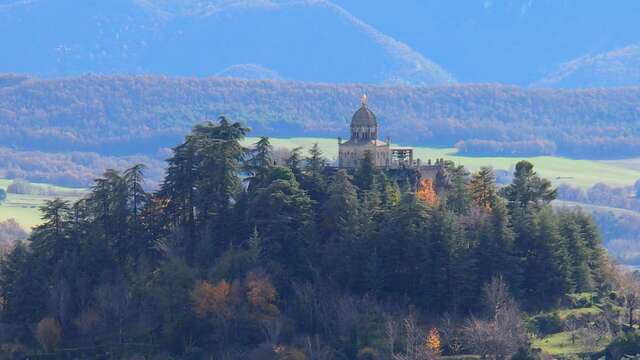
364	138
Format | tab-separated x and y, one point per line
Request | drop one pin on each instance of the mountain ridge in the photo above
105	113
618	67
203	38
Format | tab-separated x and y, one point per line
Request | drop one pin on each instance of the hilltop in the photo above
618	67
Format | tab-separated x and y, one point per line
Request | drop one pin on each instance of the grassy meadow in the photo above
582	173
24	208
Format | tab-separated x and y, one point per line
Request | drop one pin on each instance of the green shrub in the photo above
625	344
582	300
548	323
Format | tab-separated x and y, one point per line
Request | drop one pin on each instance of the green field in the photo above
582	173
565	344
25	208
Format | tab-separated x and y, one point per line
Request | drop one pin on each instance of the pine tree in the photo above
49	239
108	200
255	244
294	162
391	195
217	186
137	197
592	239
339	225
314	179
282	214
365	176
579	254
259	163
494	252
545	272
23	286
178	187
527	188
403	249
482	188
341	208
444	278
456	193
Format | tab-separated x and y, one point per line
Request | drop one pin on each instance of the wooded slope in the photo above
140	114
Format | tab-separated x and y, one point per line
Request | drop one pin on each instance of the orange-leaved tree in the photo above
261	296
426	192
211	300
482	188
432	343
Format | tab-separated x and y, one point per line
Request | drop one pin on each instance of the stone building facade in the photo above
364	138
398	162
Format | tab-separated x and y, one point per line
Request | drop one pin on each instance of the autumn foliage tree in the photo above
211	299
48	333
261	296
432	342
482	188
426	192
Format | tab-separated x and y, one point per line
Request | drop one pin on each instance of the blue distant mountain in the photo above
507	41
413	42
301	40
619	67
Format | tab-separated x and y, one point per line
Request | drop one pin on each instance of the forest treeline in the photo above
617	214
237	257
625	197
75	169
119	115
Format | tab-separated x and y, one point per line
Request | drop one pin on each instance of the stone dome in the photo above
364	118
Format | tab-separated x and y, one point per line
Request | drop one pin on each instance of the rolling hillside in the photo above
123	115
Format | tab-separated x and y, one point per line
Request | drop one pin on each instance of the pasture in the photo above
582	173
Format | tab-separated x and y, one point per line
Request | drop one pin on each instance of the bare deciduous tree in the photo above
503	332
415	346
629	288
451	336
593	335
391	330
271	328
315	350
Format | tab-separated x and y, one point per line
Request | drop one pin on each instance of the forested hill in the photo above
298	263
139	114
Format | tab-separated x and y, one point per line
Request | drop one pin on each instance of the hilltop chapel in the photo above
364	138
